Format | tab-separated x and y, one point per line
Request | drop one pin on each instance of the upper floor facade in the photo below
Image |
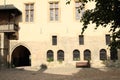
41	18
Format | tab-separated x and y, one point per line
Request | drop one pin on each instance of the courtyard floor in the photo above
61	74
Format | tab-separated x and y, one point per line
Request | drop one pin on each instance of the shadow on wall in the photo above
0	60
113	61
43	67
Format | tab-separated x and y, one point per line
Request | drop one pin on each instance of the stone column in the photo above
1	49
4	45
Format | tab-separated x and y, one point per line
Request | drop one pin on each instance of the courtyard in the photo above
61	73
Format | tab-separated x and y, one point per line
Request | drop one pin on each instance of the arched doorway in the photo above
21	56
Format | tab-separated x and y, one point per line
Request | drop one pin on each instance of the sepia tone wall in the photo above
37	36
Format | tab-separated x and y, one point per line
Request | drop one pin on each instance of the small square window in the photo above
54	40
107	36
81	39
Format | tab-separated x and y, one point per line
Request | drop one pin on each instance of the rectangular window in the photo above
54	40
29	12
113	54
54	11
78	14
107	36
81	39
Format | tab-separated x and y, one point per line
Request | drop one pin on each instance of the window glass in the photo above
50	56
81	39
29	12
113	53
54	11
60	55
31	16
56	14
54	40
76	55
51	14
27	16
27	7
103	55
31	6
56	5
87	55
51	5
78	13
107	39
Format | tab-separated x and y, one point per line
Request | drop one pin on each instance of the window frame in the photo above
87	54
29	11
54	40
56	17
60	55
50	56
103	54
76	56
107	39
113	54
76	12
81	39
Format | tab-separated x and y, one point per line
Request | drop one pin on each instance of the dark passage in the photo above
21	56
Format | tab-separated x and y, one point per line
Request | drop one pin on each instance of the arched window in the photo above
103	55
60	55
76	55
50	56
87	55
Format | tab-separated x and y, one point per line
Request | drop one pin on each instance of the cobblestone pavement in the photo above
61	74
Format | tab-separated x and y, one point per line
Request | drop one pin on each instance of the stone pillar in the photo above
4	46
1	49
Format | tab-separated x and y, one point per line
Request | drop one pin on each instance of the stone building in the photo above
36	32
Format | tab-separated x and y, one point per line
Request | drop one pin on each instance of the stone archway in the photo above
21	56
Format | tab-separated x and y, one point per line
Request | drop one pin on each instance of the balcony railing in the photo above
9	27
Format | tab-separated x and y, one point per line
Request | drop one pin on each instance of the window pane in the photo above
81	39
31	16
76	55
56	5
54	40
77	4
51	5
107	39
56	14
27	16
31	6
27	7
103	55
87	55
50	55
77	14
82	12
54	11
51	14
60	55
113	54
